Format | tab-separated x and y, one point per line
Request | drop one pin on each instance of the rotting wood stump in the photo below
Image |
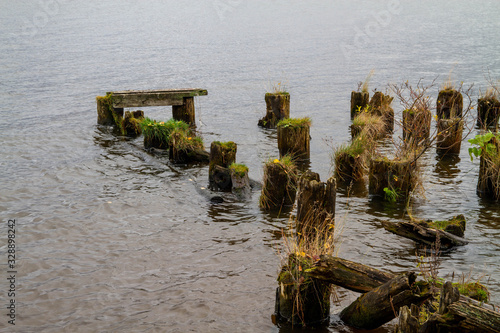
380	105
132	123
399	176
449	137
300	299
380	305
488	183
424	234
488	112
315	205
359	102
279	184
239	179
181	100
222	155
416	126
294	138
277	108
449	104
348	274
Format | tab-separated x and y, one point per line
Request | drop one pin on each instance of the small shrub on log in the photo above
488	151
293	137
279	184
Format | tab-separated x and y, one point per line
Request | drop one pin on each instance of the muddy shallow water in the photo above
112	238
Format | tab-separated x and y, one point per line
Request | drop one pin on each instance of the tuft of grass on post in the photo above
372	126
239	169
295	122
288	168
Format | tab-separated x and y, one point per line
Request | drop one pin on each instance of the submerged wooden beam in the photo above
142	98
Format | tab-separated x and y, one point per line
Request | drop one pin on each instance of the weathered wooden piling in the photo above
239	179
279	184
277	108
416	126
373	126
132	122
488	112
380	105
449	104
398	177
222	155
294	138
300	299
350	159
185	112
106	113
488	184
449	136
359	102
315	205
184	148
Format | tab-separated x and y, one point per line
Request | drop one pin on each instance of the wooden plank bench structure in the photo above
182	101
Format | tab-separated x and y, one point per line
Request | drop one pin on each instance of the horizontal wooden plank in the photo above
138	98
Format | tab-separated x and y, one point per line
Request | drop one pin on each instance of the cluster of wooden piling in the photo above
304	283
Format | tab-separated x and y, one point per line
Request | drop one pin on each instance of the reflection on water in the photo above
447	166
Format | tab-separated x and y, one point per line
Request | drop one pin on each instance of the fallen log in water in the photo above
348	274
381	304
423	234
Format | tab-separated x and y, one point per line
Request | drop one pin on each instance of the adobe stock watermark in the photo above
225	7
46	10
380	20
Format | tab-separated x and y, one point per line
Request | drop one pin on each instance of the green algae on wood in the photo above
293	137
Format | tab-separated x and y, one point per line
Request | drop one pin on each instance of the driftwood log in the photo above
381	304
348	274
423	234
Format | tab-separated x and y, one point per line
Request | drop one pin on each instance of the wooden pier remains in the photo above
182	101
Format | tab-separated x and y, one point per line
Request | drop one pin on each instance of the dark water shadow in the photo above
358	189
447	166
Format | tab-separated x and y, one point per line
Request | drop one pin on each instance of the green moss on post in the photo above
107	114
132	123
488	184
293	137
239	179
277	108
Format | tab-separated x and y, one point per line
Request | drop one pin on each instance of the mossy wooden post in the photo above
107	114
239	179
315	205
293	137
132	123
380	105
416	126
359	101
277	108
279	184
348	168
488	184
399	176
449	104
488	112
185	112
300	299
449	137
222	155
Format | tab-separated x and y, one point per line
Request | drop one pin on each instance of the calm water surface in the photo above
111	238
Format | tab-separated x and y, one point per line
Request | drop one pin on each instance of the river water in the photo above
110	238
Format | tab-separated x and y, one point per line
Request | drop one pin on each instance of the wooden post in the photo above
449	104
106	113
488	112
359	101
222	154
315	205
397	175
185	112
416	126
279	185
488	184
348	168
380	105
277	108
293	137
381	304
408	320
300	299
239	179
132	123
449	137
